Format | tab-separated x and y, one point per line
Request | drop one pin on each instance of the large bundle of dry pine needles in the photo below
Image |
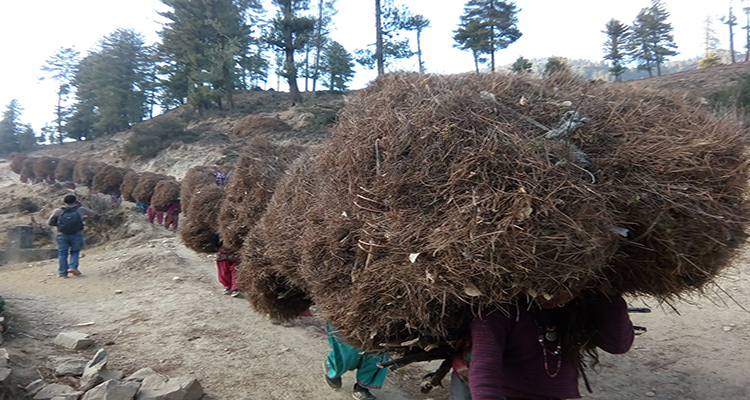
250	185
27	169
64	170
144	190
196	178
440	195
85	171
269	273
16	163
129	182
199	231
165	192
44	169
108	179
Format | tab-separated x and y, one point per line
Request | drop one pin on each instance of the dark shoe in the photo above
236	293
74	272
227	291
334	383
361	393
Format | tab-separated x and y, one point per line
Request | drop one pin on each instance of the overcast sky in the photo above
32	30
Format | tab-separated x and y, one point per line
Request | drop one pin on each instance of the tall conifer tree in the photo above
494	22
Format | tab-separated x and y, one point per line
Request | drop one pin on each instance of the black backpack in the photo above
70	221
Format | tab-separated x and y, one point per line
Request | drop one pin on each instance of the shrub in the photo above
27	205
736	97
151	137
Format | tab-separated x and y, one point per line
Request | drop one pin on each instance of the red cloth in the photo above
228	273
507	359
172	214
173	220
151	214
173	208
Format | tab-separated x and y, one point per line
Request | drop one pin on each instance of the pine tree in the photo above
337	66
390	22
471	36
495	22
61	68
663	38
255	67
11	128
319	40
418	23
110	85
201	45
555	65
731	21
521	65
651	40
617	36
710	43
289	34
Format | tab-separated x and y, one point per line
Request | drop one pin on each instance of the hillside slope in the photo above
700	82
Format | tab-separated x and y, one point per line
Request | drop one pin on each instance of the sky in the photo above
33	30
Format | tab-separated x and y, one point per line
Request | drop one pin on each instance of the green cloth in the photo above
345	357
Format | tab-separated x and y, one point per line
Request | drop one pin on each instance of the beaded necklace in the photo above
550	335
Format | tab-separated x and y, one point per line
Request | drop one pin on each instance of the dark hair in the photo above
70	199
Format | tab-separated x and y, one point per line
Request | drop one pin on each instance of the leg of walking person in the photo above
76	244
63	246
224	275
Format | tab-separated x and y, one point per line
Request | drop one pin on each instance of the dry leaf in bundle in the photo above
472	290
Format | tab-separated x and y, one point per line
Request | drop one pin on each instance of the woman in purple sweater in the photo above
534	349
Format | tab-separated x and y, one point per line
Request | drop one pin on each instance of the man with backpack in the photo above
69	222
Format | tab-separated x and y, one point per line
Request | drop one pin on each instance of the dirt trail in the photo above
171	316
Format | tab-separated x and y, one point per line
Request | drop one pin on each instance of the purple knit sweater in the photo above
508	361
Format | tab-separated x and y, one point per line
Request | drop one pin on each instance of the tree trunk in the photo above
379	40
730	23
291	70
492	41
318	45
291	77
419	51
59	114
228	88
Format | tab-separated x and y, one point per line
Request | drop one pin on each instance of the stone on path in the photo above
73	340
35	386
48	392
68	366
4	374
92	371
155	386
113	390
4	358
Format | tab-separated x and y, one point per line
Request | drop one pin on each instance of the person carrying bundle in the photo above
345	357
172	214
152	214
534	348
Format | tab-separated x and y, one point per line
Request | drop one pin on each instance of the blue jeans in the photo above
72	243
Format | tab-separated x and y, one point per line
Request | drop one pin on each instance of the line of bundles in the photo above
441	197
